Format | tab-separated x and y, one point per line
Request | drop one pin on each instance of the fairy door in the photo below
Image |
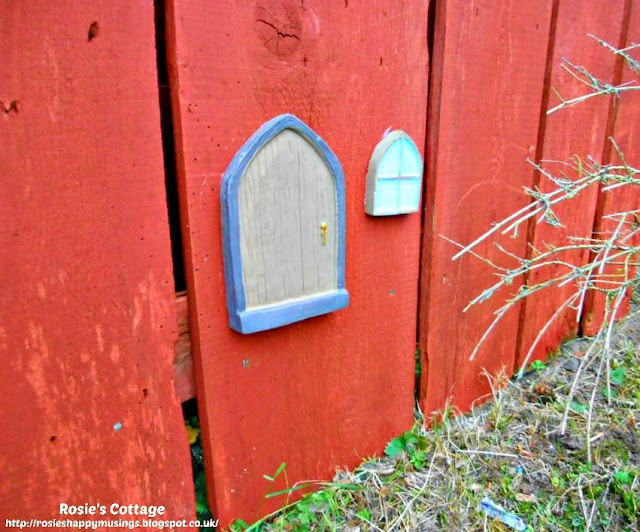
283	225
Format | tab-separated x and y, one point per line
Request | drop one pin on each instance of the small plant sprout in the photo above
538	365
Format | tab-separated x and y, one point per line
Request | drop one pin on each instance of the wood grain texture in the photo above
183	362
625	129
85	247
486	89
184	381
182	312
333	389
285	195
581	131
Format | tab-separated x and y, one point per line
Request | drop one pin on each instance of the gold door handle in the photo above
323	232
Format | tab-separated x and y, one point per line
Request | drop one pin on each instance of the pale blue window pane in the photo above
386	196
409	195
411	162
391	162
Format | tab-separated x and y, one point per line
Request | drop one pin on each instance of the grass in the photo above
511	450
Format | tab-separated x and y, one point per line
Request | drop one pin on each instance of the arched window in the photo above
394	180
283	228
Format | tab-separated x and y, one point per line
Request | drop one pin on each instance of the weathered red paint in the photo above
579	130
625	118
333	389
88	323
486	89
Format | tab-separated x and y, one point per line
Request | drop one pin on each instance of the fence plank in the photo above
486	89
89	412
333	389
579	130
626	132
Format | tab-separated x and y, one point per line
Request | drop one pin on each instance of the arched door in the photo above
283	199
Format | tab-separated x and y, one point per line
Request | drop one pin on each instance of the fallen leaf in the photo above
523	451
524	497
192	433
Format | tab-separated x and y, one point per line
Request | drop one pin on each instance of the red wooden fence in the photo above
494	67
90	330
88	325
624	127
580	130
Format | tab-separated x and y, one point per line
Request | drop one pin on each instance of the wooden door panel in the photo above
486	92
285	195
330	390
